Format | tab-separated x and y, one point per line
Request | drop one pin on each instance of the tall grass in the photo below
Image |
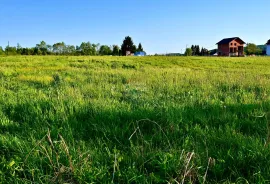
134	120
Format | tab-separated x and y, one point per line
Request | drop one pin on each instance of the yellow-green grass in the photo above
134	119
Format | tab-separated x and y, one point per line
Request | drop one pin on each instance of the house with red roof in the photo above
231	47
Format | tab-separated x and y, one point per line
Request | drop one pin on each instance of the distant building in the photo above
231	47
128	53
268	48
140	53
213	52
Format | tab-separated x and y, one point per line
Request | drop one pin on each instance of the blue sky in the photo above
160	25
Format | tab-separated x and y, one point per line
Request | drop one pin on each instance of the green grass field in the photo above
134	120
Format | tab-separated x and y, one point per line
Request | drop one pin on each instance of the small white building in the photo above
268	48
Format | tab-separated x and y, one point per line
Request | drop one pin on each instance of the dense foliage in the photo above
252	49
197	52
129	47
134	119
85	49
188	52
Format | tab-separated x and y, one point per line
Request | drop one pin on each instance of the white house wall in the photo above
268	50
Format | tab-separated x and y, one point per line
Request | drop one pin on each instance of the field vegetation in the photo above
67	119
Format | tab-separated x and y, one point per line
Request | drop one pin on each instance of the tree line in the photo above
253	49
196	51
85	48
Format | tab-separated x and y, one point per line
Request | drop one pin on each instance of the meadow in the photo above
149	119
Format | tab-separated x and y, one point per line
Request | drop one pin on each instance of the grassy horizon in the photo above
78	119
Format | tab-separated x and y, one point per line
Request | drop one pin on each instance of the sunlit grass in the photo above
37	79
134	120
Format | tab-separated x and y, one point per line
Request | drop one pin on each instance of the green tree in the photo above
251	49
1	51
127	45
193	50
206	52
95	49
19	49
78	50
26	51
115	51
11	50
70	50
50	49
259	51
36	51
86	48
134	49
202	52
197	53
140	48
59	48
105	50
188	52
42	48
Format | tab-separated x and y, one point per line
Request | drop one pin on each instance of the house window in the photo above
235	44
231	43
231	50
